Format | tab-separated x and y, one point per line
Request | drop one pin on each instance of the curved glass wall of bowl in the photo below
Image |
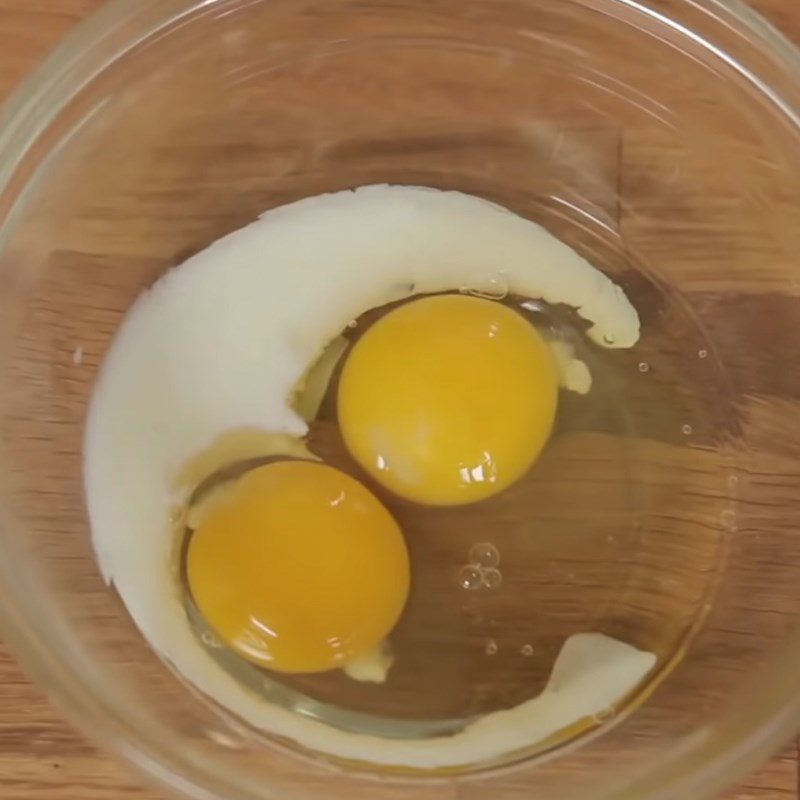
657	138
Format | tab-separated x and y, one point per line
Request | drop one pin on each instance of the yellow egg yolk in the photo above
448	399
298	567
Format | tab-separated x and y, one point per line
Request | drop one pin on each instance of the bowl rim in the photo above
90	48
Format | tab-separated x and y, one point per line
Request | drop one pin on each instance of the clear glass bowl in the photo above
659	138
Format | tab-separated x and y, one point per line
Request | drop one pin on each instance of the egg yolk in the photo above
448	399
298	567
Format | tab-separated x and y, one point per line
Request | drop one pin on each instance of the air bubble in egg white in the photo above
495	289
470	577
534	306
609	339
209	640
702	353
527	650
644	366
484	554
492	577
491	647
687	430
353	323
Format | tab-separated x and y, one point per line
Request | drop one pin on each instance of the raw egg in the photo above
298	568
448	399
239	339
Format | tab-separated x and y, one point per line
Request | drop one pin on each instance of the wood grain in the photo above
40	755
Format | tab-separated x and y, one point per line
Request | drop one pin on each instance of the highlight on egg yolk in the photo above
448	399
298	567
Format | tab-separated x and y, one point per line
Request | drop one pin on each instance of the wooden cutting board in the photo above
41	758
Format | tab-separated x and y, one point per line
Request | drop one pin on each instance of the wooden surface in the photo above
40	756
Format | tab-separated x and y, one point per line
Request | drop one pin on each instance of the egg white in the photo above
219	344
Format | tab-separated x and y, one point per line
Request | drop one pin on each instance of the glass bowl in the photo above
658	138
